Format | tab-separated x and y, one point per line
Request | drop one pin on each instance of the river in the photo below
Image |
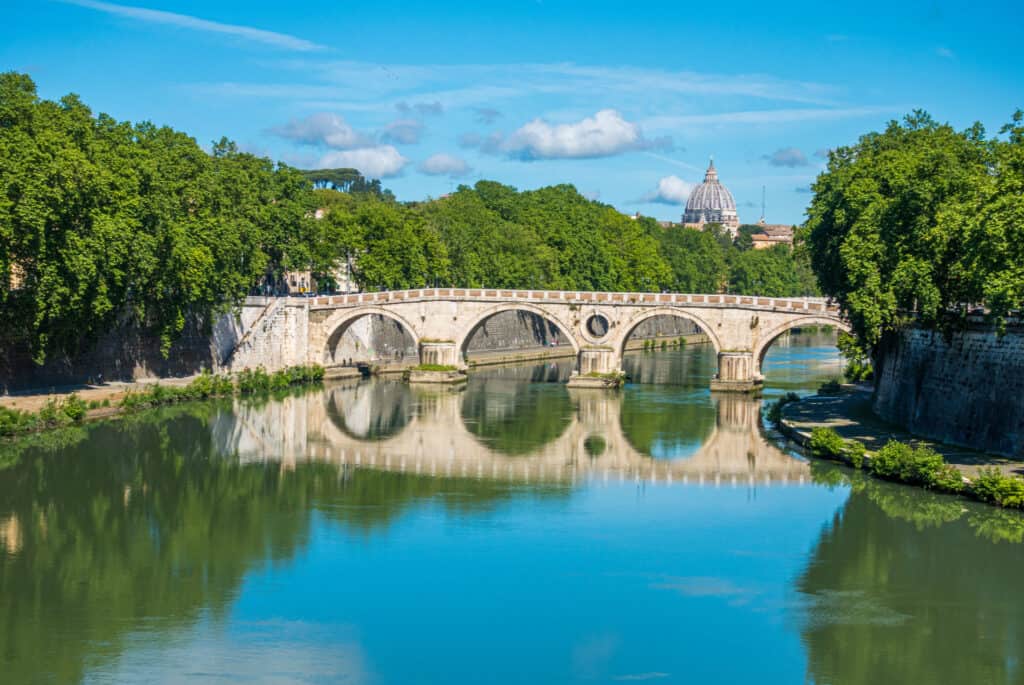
511	532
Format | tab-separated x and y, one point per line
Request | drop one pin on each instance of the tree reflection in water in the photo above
908	586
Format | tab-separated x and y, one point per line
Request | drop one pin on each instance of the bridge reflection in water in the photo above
393	427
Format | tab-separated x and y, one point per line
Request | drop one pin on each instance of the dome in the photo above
711	202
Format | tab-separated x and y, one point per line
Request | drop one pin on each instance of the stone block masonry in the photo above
966	390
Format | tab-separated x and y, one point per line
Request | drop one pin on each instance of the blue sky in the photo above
626	101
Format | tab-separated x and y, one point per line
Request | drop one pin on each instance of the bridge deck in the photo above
803	304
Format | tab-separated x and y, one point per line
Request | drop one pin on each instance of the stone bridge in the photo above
337	426
596	324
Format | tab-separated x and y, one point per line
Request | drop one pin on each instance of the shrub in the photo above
948	479
855	452
890	460
917	466
825	442
993	486
856	371
74	408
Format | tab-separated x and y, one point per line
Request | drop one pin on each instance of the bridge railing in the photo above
810	304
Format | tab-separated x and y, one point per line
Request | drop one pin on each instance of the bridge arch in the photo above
467	333
338	324
679	312
765	341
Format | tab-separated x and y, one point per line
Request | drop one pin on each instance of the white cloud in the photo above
671	190
279	40
322	128
373	162
945	52
604	134
405	131
444	165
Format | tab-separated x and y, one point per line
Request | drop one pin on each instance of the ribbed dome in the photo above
711	202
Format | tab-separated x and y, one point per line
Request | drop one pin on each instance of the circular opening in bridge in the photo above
597	326
594	446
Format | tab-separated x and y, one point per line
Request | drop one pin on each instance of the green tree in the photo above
893	228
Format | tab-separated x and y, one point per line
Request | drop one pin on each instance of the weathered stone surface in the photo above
127	353
968	390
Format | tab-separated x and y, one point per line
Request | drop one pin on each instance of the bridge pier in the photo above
440	353
736	373
598	367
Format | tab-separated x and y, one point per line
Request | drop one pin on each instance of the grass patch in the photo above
434	367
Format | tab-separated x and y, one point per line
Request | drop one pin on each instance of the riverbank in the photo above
27	414
842	428
849	415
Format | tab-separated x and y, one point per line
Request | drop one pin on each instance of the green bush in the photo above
948	479
857	371
993	486
74	408
825	442
855	452
916	466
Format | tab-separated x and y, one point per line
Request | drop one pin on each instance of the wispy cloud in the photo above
404	131
385	86
444	165
278	40
768	116
791	157
945	52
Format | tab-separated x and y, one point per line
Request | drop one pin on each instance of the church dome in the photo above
711	202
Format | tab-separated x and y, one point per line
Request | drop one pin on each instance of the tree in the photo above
893	230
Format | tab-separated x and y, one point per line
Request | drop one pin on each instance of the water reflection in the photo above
904	586
507	429
304	538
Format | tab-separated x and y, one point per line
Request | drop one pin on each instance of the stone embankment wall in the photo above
967	390
128	353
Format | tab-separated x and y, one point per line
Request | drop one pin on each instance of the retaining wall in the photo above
966	390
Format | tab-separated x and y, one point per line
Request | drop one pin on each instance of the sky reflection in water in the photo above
651	535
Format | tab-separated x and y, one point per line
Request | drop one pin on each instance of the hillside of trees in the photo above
493	235
106	224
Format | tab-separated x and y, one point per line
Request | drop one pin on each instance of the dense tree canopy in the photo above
102	221
921	221
493	235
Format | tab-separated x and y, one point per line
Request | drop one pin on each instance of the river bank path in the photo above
33	400
849	414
